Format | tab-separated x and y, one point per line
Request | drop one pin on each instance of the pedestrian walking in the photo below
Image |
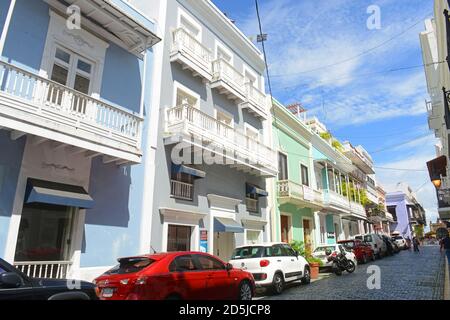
416	244
445	246
408	243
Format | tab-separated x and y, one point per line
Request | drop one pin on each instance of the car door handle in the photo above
292	260
278	260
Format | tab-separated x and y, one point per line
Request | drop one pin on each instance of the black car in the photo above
14	285
391	247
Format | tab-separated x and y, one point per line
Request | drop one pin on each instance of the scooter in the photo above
340	262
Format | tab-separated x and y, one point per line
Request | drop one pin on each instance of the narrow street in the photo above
405	276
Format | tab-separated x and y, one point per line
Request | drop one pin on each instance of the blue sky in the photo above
359	100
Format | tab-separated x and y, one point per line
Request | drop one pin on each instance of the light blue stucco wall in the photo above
121	83
330	228
25	43
10	163
112	227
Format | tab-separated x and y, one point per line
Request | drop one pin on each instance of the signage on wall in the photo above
204	241
331	235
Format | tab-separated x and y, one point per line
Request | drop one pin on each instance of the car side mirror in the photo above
296	253
229	267
10	280
328	252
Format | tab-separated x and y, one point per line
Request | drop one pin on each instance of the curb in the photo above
447	281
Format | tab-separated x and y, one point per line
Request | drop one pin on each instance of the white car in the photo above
319	253
400	241
272	264
376	242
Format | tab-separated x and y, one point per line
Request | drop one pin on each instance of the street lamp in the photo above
437	182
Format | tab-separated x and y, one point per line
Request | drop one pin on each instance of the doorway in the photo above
285	229
307	235
45	233
224	244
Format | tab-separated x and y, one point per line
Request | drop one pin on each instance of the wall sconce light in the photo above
437	182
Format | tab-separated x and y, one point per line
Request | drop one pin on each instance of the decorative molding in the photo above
57	166
78	39
182	215
223	203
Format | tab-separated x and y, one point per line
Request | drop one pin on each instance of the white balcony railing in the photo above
181	190
335	199
190	120
295	190
223	70
429	106
186	43
255	97
57	103
44	269
357	208
252	205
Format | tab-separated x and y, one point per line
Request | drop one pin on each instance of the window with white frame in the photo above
189	24
253	236
72	70
185	98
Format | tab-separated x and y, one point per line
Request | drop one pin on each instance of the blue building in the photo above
75	108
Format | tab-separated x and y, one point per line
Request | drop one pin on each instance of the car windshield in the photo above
348	245
130	265
1	270
368	238
397	237
247	253
325	248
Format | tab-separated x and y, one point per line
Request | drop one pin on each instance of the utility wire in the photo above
358	55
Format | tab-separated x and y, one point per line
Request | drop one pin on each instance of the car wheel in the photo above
307	276
373	257
245	291
277	283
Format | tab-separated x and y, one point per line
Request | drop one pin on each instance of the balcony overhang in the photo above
228	89
360	162
121	22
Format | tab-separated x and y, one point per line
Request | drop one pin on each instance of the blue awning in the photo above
251	189
39	191
227	225
179	168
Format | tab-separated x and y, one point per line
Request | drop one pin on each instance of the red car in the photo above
175	275
362	251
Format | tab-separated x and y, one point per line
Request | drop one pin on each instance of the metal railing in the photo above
252	205
223	70
181	190
192	120
183	41
62	102
44	269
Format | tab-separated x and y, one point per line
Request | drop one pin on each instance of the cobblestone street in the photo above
405	276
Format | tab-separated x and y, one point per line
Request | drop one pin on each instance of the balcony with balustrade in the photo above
191	54
240	151
39	107
297	194
336	202
227	80
358	210
255	101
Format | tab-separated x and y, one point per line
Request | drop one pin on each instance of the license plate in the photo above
107	293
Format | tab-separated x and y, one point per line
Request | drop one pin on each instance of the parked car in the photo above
321	250
272	265
15	285
376	242
400	241
175	276
391	246
362	250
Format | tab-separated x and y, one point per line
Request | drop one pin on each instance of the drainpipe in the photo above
144	81
6	26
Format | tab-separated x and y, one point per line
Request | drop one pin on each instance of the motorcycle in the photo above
340	262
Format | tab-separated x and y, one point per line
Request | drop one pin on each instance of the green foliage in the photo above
337	145
311	259
326	135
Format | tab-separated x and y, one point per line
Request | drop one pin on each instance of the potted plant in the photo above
314	264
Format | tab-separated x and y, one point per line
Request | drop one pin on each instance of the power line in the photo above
365	75
358	55
399	144
400	169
